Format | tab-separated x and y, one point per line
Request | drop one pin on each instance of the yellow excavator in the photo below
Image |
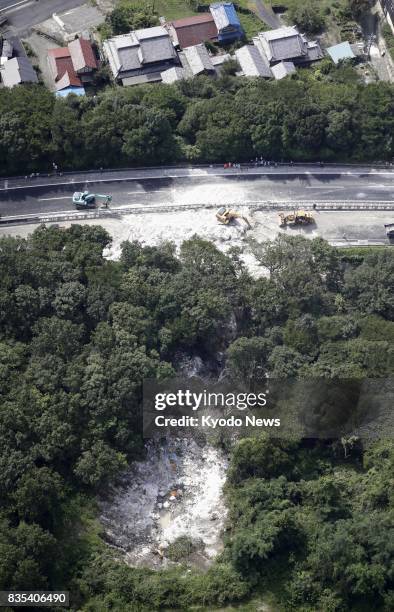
226	215
298	217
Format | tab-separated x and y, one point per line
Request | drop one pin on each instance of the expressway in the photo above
360	187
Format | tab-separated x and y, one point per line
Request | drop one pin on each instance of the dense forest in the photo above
324	113
307	522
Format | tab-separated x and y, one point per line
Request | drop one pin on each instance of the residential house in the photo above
227	22
16	71
193	30
140	56
83	59
72	66
287	44
195	60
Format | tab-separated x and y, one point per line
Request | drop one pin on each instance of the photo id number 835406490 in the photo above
34	598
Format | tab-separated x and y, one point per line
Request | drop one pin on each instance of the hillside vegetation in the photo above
324	114
78	336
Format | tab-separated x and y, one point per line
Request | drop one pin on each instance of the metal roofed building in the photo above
77	91
59	61
283	69
252	62
69	79
73	65
193	30
18	70
82	56
287	44
172	75
227	21
341	52
141	52
198	60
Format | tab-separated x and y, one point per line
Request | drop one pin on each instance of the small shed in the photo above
341	52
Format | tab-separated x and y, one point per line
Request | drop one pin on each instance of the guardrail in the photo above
101	213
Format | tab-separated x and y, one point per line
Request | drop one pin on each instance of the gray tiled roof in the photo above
140	79
283	69
314	51
287	44
283	43
198	59
129	58
147	33
173	74
252	62
137	49
156	49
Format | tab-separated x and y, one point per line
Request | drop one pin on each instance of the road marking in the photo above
11	6
50	199
146	192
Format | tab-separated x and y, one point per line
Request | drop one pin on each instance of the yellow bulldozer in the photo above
298	217
226	215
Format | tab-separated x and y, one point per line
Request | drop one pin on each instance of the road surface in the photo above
23	15
267	15
201	186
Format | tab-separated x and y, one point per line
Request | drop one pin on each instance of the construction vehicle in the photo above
298	217
84	199
226	215
389	227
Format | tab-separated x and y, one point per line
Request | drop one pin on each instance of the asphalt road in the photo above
22	15
200	186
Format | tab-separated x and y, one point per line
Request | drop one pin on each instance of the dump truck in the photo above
298	217
226	215
84	199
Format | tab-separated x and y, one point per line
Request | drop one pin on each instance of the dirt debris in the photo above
158	504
